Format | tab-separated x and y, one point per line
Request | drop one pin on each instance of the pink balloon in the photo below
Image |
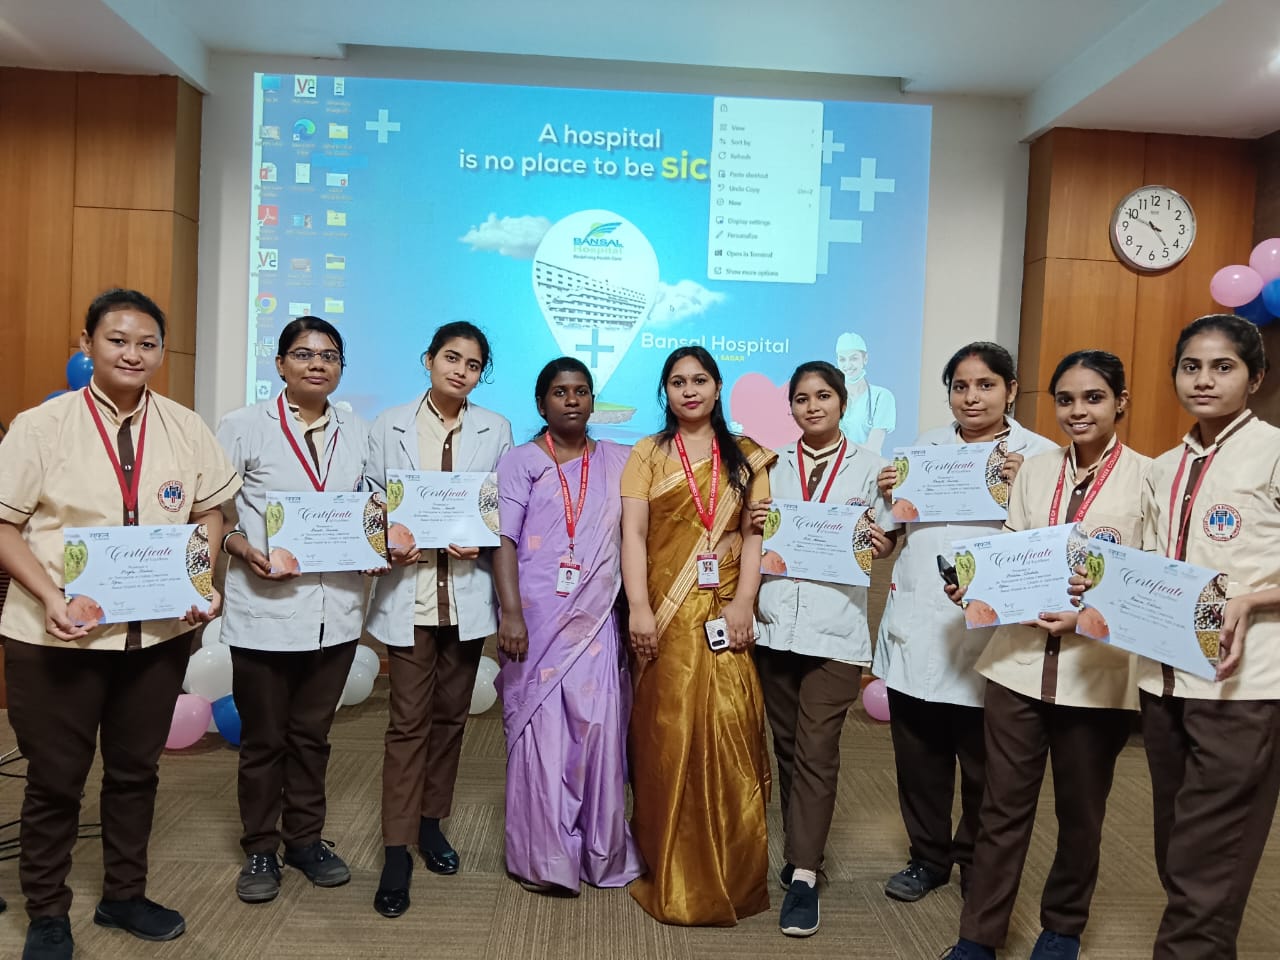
1265	259
875	700
1236	285
191	716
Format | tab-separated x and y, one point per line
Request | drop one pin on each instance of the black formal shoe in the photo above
144	918
392	902
446	863
48	938
319	863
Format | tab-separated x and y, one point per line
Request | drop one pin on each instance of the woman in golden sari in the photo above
700	768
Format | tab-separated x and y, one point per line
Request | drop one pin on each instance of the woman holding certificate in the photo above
924	653
1213	746
691	569
1053	695
565	689
433	610
814	641
292	637
104	459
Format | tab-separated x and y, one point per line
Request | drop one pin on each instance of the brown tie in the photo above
124	441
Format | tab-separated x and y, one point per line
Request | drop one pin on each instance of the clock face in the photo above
1153	228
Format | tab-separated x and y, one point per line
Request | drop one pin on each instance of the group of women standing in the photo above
652	552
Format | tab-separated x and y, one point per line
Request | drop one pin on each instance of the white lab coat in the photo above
393	445
923	648
287	615
822	619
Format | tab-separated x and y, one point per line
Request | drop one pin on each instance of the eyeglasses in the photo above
302	355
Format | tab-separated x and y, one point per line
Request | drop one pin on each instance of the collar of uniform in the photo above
110	408
1071	455
826	453
1002	435
426	402
318	424
1192	439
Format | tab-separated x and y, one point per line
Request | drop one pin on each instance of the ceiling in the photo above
1175	66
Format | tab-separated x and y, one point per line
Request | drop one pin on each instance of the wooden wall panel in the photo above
126	130
121	248
180	309
186	187
1104	165
37	178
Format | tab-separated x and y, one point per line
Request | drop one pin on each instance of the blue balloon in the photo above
1271	297
227	718
1256	311
56	393
79	371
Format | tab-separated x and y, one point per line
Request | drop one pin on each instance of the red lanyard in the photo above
129	485
804	480
317	482
571	516
1180	544
1094	489
706	514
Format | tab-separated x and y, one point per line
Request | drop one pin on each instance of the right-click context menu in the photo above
766	165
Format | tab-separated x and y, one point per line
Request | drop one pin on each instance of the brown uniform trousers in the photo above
431	686
807	699
61	700
286	703
1082	744
929	739
1215	775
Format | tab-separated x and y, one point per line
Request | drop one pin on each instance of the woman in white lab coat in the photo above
292	637
924	653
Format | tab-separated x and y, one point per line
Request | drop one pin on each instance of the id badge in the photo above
568	577
708	571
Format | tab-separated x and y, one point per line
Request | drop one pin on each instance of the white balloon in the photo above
209	672
212	635
367	657
358	686
484	694
487	670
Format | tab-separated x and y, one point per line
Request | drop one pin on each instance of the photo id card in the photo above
708	571
568	577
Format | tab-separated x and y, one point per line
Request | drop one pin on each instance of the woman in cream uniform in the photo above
1053	694
433	611
814	640
924	653
292	637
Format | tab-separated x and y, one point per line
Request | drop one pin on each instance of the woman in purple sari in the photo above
565	690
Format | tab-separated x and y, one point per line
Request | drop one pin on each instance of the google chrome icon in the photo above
303	129
265	303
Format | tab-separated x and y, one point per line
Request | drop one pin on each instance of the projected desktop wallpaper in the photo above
610	226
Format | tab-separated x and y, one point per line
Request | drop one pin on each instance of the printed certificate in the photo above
818	541
1163	609
325	532
434	509
948	482
1014	577
119	574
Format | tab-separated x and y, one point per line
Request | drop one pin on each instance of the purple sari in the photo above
565	708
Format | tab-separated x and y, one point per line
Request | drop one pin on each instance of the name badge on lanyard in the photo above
569	575
128	484
708	563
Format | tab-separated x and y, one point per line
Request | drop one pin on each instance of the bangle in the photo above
233	533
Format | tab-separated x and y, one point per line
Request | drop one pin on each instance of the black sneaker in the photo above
799	917
967	950
144	918
319	863
259	880
785	874
913	882
48	938
1056	946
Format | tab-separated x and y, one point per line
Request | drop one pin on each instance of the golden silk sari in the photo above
699	762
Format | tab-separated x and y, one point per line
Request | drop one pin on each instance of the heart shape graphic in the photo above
764	410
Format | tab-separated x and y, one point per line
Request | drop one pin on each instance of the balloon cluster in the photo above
207	705
79	372
1252	291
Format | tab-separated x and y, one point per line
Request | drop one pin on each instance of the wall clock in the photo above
1153	228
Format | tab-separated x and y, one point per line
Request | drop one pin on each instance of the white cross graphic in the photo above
383	125
866	185
829	146
833	231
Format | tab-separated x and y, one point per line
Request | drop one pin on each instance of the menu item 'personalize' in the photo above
121	574
950	482
1014	577
325	532
830	542
432	509
1166	610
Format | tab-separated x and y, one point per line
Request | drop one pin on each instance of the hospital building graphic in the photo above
576	301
